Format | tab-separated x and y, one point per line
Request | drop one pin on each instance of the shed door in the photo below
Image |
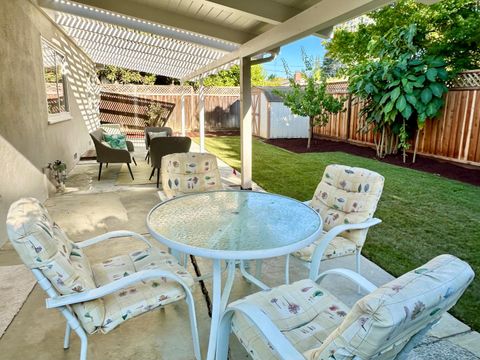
256	113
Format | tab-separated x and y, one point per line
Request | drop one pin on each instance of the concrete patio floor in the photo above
89	208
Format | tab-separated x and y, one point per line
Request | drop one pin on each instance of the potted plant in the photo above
157	115
59	171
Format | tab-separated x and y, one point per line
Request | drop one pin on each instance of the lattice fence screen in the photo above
338	87
129	89
467	79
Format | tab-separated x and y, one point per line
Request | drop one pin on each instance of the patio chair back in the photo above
380	325
159	147
156	129
189	172
43	246
347	195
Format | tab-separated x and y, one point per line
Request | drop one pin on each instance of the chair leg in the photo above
134	161
130	169
258	268
73	323
151	174
357	261
287	269
100	171
83	343
357	266
193	324
224	335
158	178
106	165
66	340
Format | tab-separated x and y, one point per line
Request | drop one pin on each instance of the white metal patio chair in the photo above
305	321
102	296
184	173
190	172
346	198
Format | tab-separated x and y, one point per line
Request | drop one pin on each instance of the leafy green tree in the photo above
447	29
400	90
231	77
120	75
309	97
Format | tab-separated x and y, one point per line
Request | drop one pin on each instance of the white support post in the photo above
201	109
183	110
246	123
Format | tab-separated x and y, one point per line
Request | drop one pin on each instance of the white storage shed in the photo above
272	119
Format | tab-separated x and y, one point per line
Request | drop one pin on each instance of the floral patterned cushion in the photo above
42	245
378	326
339	246
304	312
140	297
347	195
189	172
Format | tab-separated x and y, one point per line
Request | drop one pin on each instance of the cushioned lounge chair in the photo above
106	154
306	321
96	297
161	146
346	198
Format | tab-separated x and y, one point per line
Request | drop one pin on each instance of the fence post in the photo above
183	110
470	125
192	108
201	106
349	115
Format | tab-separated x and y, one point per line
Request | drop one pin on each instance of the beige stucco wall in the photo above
27	142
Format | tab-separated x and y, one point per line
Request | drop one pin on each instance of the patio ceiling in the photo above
190	38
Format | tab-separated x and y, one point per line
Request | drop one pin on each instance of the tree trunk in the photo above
310	130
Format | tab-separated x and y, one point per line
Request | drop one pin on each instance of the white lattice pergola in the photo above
189	39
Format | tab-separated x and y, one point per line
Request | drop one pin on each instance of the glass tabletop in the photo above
234	224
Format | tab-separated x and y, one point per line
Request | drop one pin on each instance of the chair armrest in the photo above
350	275
337	230
329	236
112	235
112	287
130	146
264	324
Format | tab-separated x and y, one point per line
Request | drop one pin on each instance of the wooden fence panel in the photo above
127	105
453	135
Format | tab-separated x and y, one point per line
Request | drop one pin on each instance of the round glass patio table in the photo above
233	225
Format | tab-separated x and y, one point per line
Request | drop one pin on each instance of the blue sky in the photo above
292	53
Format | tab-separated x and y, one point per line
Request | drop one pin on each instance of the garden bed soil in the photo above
467	174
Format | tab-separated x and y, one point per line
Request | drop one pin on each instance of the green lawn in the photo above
423	215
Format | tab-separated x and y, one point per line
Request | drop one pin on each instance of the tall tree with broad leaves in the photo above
399	90
448	29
